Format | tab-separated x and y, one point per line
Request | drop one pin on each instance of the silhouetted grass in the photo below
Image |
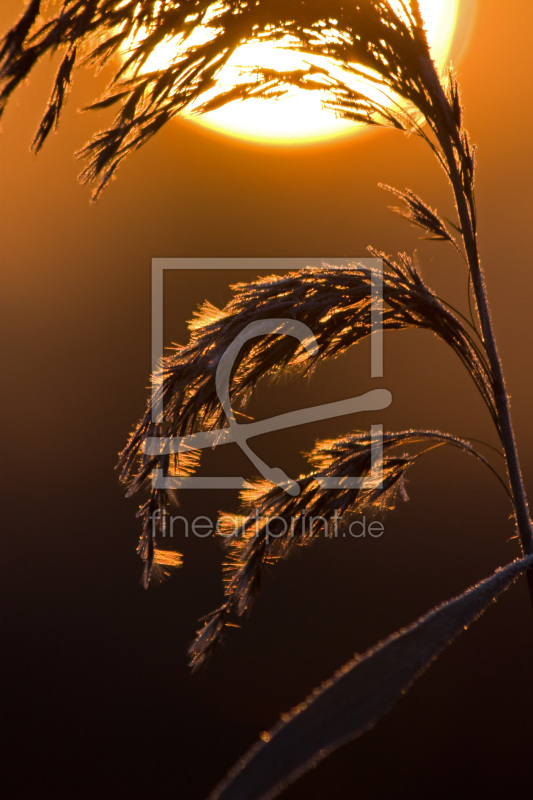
384	45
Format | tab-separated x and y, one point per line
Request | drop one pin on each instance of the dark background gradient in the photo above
99	702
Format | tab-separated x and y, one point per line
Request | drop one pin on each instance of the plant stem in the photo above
451	142
502	400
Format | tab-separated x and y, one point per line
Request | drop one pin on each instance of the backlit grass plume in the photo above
378	45
334	303
372	59
274	522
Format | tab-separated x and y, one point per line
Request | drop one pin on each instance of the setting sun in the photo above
299	116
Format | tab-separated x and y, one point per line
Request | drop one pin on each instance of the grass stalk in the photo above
451	142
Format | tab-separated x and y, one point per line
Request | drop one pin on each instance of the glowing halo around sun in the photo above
298	117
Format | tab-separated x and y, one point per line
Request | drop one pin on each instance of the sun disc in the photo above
297	117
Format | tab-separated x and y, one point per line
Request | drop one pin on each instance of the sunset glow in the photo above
299	116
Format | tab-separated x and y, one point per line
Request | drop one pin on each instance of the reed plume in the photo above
372	62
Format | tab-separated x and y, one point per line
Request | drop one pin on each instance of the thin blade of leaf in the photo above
362	692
